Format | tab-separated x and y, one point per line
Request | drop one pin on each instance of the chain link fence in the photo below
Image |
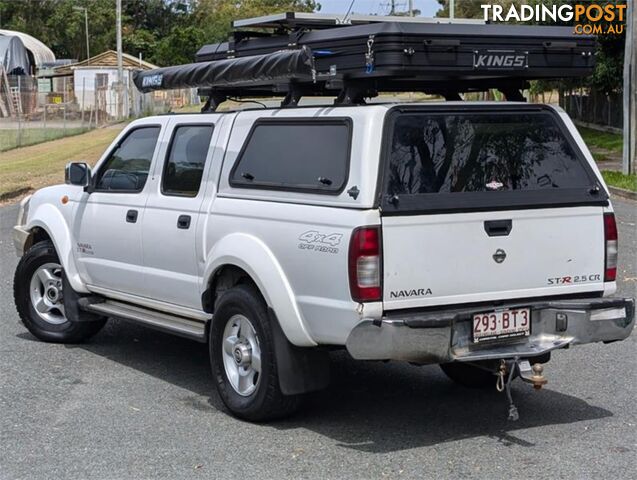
594	108
34	111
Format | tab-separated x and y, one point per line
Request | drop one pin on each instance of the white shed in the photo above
95	82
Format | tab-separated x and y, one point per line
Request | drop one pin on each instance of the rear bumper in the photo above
446	335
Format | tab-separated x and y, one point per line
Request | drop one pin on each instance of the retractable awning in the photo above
282	66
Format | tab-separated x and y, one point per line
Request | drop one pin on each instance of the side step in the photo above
165	322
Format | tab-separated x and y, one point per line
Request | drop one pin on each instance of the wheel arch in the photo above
241	257
47	222
36	235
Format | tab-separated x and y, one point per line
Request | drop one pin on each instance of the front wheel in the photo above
39	298
243	360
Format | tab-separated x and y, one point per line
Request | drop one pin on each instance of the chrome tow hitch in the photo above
532	374
507	372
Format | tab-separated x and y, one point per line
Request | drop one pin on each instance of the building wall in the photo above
88	92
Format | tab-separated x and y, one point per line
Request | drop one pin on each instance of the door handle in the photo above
498	228
183	222
131	216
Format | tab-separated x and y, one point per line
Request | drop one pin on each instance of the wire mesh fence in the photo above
33	111
593	107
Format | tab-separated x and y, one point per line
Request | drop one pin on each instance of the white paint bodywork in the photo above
451	255
153	263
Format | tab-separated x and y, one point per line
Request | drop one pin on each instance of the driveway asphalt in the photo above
135	403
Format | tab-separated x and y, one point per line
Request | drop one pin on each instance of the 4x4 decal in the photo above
320	242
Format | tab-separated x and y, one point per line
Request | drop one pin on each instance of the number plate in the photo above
502	324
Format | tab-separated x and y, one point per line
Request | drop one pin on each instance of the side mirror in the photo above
77	173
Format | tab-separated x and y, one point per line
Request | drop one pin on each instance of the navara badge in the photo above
499	256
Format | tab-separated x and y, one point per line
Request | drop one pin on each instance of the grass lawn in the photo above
40	165
618	179
612	142
32	136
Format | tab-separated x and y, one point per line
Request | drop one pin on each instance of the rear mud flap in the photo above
300	369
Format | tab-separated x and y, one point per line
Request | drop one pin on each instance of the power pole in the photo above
88	51
120	67
85	10
630	92
452	9
411	8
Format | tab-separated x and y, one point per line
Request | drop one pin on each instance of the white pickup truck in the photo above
478	236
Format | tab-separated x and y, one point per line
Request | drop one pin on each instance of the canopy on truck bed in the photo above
293	55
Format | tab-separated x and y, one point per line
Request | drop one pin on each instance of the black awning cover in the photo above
281	66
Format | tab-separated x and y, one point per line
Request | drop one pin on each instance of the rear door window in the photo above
296	155
186	160
482	158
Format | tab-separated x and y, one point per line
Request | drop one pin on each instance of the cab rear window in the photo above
480	157
296	155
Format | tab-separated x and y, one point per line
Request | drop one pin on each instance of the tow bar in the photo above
528	373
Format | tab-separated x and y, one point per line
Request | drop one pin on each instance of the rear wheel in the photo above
39	298
469	375
243	359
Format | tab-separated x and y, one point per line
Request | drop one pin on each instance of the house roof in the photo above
104	59
41	53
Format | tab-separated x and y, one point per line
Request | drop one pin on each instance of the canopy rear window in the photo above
470	160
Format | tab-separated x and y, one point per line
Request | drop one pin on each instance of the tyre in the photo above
39	298
469	375
242	357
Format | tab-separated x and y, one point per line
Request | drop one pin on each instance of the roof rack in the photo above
314	55
315	21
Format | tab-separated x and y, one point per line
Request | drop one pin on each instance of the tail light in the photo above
610	238
365	264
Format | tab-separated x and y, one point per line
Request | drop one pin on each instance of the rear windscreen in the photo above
482	152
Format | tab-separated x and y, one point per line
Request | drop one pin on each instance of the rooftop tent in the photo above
14	57
295	55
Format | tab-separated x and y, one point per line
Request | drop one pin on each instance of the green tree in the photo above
139	42
215	16
59	26
179	46
163	31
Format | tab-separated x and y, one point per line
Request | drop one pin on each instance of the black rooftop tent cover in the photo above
301	54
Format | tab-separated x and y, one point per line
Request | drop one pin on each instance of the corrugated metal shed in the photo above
41	53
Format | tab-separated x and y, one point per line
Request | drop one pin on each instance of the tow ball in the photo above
530	374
